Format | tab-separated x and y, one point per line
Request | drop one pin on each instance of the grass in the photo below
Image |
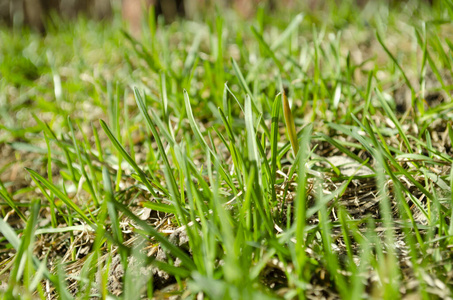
198	161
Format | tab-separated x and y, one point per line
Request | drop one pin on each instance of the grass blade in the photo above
127	157
141	105
290	125
63	197
186	260
4	193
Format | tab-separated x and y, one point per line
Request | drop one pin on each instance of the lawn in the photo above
302	153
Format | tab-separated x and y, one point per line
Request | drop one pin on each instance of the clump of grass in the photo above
188	187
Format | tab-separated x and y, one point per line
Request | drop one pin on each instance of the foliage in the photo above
188	186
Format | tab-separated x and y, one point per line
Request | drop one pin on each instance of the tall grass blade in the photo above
290	125
127	157
141	105
82	165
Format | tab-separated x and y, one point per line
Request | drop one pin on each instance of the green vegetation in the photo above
169	166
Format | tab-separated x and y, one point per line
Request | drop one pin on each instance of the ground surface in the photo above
189	186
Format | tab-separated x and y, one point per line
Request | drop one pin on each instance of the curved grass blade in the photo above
285	34
247	90
269	51
165	208
226	104
242	81
186	260
395	121
127	157
63	146
150	123
108	189
24	252
63	197
392	57
344	150
4	193
82	165
202	141
14	240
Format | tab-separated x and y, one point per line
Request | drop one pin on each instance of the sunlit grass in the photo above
177	164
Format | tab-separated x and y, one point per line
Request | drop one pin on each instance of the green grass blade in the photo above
82	164
251	139
63	197
127	157
165	208
202	141
288	31
392	57
243	83
300	204
290	125
269	51
6	196
141	105
186	260
274	143
395	121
